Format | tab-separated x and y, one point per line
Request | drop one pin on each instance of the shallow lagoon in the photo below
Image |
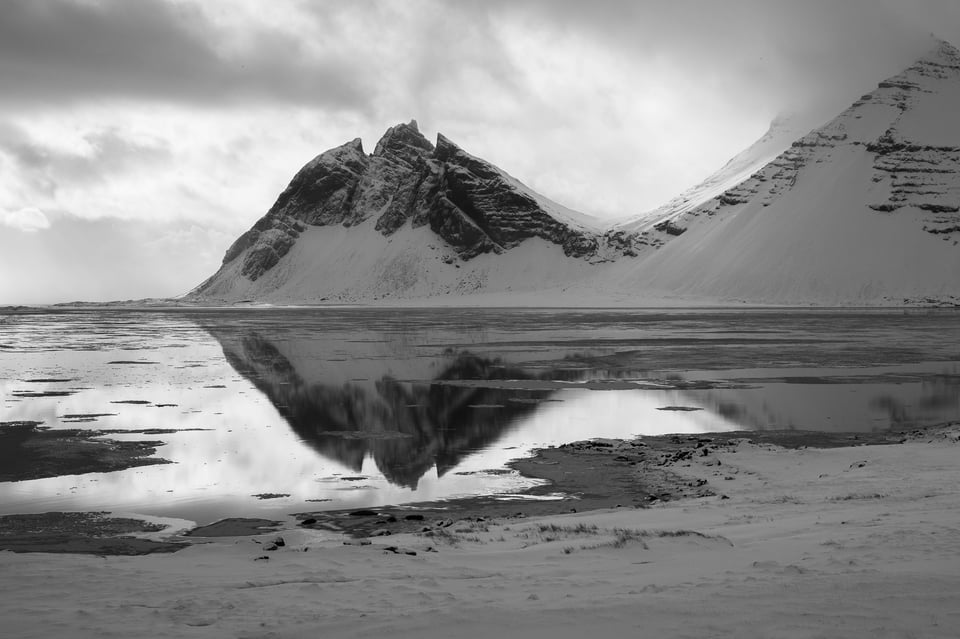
344	408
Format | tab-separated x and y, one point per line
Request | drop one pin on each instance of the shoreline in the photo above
858	541
581	476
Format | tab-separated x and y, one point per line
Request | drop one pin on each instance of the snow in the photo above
782	131
359	264
780	224
852	542
560	212
817	243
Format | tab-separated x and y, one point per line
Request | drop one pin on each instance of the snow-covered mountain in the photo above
409	220
863	210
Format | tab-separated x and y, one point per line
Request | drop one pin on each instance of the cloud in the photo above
27	220
198	112
66	50
106	259
95	156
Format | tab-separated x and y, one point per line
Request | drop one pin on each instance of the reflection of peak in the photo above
408	428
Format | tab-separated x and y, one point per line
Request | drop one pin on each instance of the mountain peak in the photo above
942	53
403	142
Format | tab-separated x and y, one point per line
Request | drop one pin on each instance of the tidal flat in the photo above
338	409
284	471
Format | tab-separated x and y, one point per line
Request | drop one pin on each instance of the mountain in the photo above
864	210
409	220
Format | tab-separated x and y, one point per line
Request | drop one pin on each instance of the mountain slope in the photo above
863	210
401	222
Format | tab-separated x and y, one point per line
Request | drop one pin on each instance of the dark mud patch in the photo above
86	533
138	402
680	408
48	380
25	393
271	495
362	434
597	385
234	527
130	362
30	451
594	474
149	431
489	471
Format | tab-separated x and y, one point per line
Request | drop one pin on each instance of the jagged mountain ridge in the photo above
845	215
470	204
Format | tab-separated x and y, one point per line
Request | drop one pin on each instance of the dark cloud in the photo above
781	52
108	154
57	51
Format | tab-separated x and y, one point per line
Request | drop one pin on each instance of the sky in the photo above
138	139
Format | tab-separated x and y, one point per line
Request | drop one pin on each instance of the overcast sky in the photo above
138	138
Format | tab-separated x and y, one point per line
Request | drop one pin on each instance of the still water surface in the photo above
343	408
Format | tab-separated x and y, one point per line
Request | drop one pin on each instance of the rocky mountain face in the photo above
915	160
473	206
860	211
864	210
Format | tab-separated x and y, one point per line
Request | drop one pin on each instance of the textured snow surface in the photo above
853	542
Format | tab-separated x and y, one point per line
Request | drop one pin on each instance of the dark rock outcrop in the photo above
472	205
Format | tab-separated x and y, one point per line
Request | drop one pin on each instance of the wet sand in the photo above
578	477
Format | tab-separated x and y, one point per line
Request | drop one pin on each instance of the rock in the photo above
413	517
471	204
309	521
357	542
380	532
364	513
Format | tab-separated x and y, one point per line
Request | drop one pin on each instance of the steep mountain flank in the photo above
864	210
469	206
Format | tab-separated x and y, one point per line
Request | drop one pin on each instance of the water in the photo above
343	408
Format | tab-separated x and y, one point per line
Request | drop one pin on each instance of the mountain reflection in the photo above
406	427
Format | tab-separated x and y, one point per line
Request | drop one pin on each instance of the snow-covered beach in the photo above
855	541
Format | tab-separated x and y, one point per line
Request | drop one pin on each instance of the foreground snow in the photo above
852	542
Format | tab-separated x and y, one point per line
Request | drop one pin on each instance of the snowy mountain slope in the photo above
781	133
863	210
400	222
